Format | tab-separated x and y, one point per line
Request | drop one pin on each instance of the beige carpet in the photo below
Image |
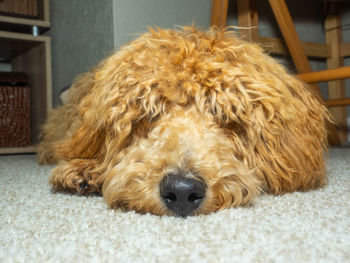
39	226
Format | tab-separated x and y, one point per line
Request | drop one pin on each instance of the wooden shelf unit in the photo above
24	25
31	55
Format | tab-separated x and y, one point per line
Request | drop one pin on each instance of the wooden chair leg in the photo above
290	35
219	10
296	50
336	89
326	75
292	39
329	75
248	18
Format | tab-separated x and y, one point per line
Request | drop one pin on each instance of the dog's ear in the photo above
249	88
114	106
281	123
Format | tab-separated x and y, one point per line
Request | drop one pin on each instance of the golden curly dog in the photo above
184	122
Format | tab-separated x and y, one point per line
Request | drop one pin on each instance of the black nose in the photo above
180	194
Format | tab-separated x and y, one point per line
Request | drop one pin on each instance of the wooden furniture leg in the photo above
248	18
219	13
328	75
290	35
296	50
336	89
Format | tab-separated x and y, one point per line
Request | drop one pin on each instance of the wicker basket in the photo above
14	110
21	8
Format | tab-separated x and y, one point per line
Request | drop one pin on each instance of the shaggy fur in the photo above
207	103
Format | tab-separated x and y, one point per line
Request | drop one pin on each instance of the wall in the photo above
82	34
133	17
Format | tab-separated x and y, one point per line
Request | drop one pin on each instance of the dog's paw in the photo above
76	176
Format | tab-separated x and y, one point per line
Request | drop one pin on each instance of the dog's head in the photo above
188	122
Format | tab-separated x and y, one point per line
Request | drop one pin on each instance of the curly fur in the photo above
204	102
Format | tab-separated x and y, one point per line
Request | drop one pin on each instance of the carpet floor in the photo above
37	225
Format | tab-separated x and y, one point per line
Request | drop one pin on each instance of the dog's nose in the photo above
180	194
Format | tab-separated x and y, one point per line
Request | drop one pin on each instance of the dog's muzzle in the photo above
180	194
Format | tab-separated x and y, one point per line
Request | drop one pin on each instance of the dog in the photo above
186	122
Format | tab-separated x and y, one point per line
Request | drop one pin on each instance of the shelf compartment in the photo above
31	55
25	25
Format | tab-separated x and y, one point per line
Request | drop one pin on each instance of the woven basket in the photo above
21	8
14	110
